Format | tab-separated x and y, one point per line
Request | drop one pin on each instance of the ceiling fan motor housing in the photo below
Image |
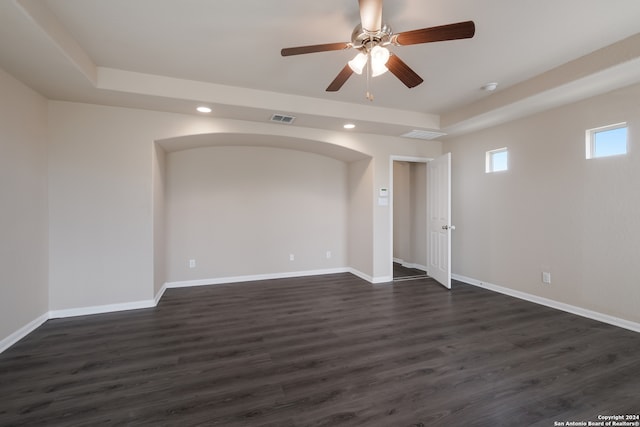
362	39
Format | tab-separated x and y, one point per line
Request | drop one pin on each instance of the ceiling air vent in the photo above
282	118
423	134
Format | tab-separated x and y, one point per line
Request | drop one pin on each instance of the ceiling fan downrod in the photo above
368	94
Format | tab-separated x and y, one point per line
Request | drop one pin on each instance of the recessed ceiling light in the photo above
349	126
490	87
204	109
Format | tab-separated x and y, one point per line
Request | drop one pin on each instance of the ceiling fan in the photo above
371	38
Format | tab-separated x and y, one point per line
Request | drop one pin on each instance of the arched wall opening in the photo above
231	207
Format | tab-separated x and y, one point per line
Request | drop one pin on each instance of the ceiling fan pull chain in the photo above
369	95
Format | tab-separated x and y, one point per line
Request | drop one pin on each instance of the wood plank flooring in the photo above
322	351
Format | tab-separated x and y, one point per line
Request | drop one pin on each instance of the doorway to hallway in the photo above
409	212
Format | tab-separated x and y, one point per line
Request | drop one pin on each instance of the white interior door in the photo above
439	219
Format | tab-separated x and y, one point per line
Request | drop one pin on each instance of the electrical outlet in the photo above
546	277
192	263
328	254
292	257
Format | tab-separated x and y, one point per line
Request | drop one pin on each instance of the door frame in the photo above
392	159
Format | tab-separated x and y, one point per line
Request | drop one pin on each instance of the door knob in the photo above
448	227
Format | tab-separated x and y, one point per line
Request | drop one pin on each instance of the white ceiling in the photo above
172	55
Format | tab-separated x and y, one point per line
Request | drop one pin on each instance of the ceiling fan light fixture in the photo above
357	64
379	57
378	69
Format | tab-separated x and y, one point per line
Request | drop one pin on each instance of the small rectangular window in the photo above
497	160
607	141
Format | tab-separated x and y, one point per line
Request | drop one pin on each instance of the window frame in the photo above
590	140
489	162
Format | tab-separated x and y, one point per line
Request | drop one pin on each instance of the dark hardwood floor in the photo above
322	351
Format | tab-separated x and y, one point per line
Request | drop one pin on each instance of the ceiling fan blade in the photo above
288	51
403	72
371	15
461	30
340	79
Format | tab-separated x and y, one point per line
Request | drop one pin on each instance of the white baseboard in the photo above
22	332
370	279
254	277
361	275
156	300
416	266
99	309
590	314
382	279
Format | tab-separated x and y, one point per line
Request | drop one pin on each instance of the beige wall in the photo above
360	217
23	210
243	210
553	210
159	223
100	210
